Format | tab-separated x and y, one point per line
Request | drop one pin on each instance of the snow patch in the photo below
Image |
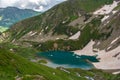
106	9
98	43
42	30
105	17
78	74
114	12
13	40
41	39
57	38
89	78
118	72
75	36
30	33
64	70
33	34
115	40
46	28
109	47
87	50
40	33
107	59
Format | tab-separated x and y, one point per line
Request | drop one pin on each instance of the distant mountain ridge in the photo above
11	15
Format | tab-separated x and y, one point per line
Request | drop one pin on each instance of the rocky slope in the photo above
56	23
64	20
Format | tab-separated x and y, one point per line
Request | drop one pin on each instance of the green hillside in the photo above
57	18
92	5
13	66
26	52
44	29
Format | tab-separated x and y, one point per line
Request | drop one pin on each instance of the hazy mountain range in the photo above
11	15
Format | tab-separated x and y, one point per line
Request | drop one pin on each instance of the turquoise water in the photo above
68	59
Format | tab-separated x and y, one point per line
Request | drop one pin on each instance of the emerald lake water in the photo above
67	59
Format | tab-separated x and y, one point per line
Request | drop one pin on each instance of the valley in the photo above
74	40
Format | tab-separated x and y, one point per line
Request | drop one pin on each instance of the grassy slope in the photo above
12	65
92	5
25	52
